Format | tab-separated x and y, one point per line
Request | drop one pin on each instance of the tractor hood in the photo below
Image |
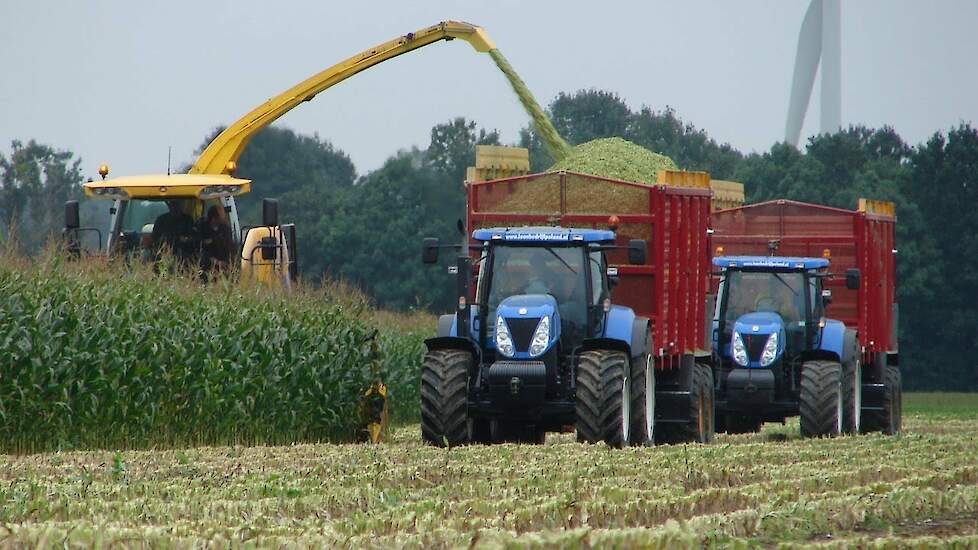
522	316
758	322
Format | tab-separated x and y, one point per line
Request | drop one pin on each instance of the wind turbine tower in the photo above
820	39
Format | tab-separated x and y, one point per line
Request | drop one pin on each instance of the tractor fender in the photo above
832	344
634	341
446	325
619	323
451	342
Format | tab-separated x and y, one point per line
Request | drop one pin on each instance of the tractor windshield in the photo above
558	271
749	291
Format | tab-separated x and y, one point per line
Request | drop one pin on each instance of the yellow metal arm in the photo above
231	142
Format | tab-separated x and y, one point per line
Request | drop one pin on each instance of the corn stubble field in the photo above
919	489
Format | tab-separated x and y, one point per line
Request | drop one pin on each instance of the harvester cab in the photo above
541	348
778	355
150	213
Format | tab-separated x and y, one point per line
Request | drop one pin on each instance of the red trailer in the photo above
862	239
671	289
859	290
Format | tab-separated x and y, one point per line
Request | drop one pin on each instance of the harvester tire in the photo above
444	397
603	400
643	401
852	387
821	401
890	419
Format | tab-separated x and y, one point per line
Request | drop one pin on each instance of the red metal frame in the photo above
853	238
670	289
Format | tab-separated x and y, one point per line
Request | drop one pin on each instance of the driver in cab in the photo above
174	230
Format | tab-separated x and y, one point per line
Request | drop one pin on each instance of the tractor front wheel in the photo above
604	398
821	403
444	397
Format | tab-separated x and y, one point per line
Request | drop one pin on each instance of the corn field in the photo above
93	355
918	489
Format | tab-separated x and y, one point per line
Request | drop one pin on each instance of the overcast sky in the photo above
119	81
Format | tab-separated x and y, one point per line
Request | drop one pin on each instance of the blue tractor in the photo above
541	349
776	355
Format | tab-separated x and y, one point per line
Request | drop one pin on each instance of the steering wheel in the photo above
536	285
765	303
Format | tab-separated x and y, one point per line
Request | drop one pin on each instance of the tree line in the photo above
366	229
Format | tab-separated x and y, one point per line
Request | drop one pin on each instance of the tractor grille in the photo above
755	345
522	331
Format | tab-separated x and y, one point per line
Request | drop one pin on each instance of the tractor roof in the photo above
162	186
770	262
543	235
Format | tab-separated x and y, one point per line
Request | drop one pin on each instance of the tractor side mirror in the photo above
429	250
636	251
72	219
269	212
853	278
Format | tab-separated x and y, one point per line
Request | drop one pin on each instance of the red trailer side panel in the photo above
850	238
670	289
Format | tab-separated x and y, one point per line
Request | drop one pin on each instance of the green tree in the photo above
35	182
452	147
944	186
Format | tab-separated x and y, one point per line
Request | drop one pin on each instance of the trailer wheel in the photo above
444	397
821	403
890	419
852	384
643	401
701	424
604	401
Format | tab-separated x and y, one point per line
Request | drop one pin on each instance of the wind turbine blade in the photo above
831	97
806	63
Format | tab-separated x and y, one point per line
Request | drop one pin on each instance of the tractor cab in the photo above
563	282
775	348
767	307
542	310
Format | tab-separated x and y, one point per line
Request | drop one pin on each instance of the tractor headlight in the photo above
739	350
504	342
770	350
541	337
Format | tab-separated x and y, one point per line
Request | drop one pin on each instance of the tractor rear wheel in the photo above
890	419
444	397
603	400
852	386
701	425
821	403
